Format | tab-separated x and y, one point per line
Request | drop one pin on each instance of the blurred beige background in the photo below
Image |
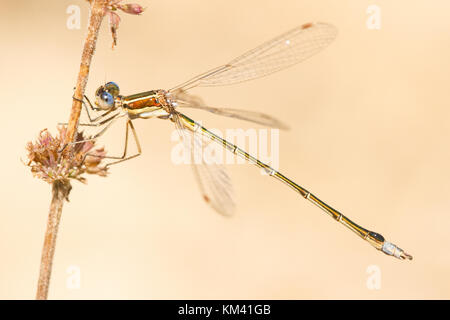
369	135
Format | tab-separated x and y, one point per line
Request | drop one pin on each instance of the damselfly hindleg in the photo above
124	155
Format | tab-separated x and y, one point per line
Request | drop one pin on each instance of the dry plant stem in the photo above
98	10
60	189
60	192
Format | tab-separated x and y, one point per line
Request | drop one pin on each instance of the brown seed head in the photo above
48	163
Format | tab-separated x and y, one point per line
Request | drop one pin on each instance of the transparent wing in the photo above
186	100
281	52
212	178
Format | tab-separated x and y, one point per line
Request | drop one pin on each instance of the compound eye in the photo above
107	98
99	91
112	88
104	100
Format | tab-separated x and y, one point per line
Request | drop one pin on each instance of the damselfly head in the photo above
106	95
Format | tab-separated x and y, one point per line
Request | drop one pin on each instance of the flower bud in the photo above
131	8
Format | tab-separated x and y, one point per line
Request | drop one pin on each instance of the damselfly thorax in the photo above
144	105
281	52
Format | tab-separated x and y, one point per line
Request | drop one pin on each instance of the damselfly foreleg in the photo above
92	120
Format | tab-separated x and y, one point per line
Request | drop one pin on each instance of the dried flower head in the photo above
114	19
48	163
131	8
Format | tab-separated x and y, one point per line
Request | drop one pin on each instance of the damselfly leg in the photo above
92	121
108	123
124	157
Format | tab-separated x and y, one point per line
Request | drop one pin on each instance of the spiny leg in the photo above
91	120
114	157
98	124
111	120
92	108
138	145
123	157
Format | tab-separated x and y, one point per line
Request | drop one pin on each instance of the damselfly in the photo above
283	51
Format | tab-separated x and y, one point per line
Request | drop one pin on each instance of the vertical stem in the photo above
97	13
60	192
61	189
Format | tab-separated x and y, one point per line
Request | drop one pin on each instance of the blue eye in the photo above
107	98
112	88
112	84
